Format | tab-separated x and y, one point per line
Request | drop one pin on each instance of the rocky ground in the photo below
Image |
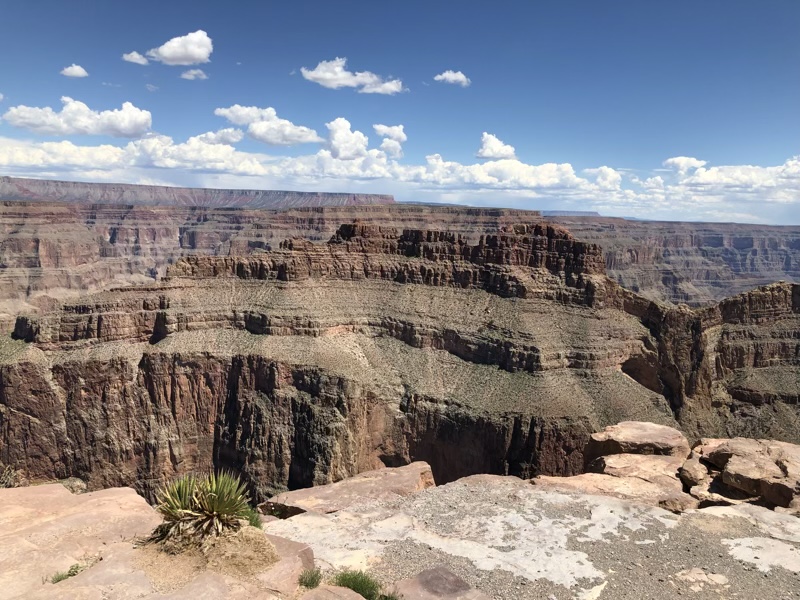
479	538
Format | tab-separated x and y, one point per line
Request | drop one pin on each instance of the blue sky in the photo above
680	110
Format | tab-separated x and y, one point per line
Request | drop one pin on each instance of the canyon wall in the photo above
692	263
52	251
310	362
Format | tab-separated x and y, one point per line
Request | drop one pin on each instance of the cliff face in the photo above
51	251
693	263
311	362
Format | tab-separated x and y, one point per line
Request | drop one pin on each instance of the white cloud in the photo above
1	97
228	135
192	74
344	143
77	118
190	49
493	148
150	87
684	164
265	126
135	57
393	132
333	74
394	136
606	177
347	163
454	77
74	71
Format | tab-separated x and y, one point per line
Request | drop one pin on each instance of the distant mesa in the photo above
41	190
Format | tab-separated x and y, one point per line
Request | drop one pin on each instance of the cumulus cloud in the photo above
684	164
264	125
333	74
190	49
393	132
150	87
229	135
343	142
493	148
454	77
394	136
1	97
722	192
193	74
74	71
136	58
77	118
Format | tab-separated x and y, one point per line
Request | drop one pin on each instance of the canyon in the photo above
51	250
309	362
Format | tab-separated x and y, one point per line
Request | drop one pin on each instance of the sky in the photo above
681	110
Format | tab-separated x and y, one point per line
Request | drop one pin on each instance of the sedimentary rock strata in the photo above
312	362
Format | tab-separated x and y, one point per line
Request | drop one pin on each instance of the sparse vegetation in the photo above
195	508
62	575
8	477
364	584
253	517
310	578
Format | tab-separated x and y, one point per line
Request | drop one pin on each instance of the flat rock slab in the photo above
637	437
437	584
46	529
510	540
331	592
668	497
657	469
381	484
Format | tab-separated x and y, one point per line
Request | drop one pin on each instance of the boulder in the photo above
660	470
748	474
437	584
382	484
692	473
627	488
764	468
636	437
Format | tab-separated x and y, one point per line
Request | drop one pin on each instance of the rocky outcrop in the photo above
635	461
740	468
509	540
47	530
382	484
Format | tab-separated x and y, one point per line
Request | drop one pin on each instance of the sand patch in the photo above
241	555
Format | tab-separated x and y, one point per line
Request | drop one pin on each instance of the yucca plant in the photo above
221	500
195	508
8	477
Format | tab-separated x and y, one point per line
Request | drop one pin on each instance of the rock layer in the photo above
313	362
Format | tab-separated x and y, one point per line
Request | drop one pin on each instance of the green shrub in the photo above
360	583
254	518
62	575
310	578
194	508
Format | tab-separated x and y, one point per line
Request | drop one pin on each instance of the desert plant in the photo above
8	477
195	508
310	578
62	575
360	583
253	517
